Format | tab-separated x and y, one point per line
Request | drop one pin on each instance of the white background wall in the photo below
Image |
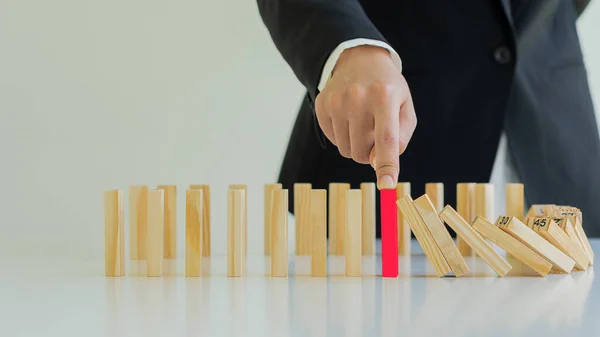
98	95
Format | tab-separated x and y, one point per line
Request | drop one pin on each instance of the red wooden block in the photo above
389	233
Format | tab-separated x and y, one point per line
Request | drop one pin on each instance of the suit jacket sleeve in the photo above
307	31
580	6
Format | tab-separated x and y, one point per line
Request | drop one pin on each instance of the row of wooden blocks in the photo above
350	217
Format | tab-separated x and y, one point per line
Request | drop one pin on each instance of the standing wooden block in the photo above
318	221
548	228
368	218
424	237
512	246
236	213
114	243
515	200
279	233
138	219
268	195
389	233
435	192
170	213
245	217
337	217
484	201
441	236
155	236
205	217
404	235
475	241
193	232
353	239
302	215
465	206
537	243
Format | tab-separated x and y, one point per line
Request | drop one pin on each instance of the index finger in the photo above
387	142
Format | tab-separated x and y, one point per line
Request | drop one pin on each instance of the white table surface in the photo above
50	298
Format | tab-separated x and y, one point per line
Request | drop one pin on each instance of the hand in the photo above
366	110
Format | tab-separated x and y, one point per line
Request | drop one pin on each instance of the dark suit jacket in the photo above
474	67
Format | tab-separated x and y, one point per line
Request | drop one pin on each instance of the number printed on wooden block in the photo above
318	221
193	232
404	235
114	243
353	239
512	246
138	219
440	235
533	240
155	236
302	217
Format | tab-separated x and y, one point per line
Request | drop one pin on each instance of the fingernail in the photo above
386	182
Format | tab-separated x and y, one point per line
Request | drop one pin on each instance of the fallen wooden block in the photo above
441	236
584	240
549	229
534	241
536	210
404	236
475	240
423	236
435	192
512	246
565	224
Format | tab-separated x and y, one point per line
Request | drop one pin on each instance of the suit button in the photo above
502	55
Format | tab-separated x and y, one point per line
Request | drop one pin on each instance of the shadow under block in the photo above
279	233
205	217
435	192
440	235
268	194
337	217
368	218
514	247
353	235
170	214
155	237
475	241
114	238
424	237
302	217
138	219
194	209
318	221
534	241
389	233
243	187
236	213
404	235
548	228
465	207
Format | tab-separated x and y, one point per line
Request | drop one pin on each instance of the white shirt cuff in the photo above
335	55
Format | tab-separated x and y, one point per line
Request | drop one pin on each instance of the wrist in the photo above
362	52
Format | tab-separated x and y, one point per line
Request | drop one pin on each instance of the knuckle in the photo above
345	152
382	90
355	93
387	168
360	157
